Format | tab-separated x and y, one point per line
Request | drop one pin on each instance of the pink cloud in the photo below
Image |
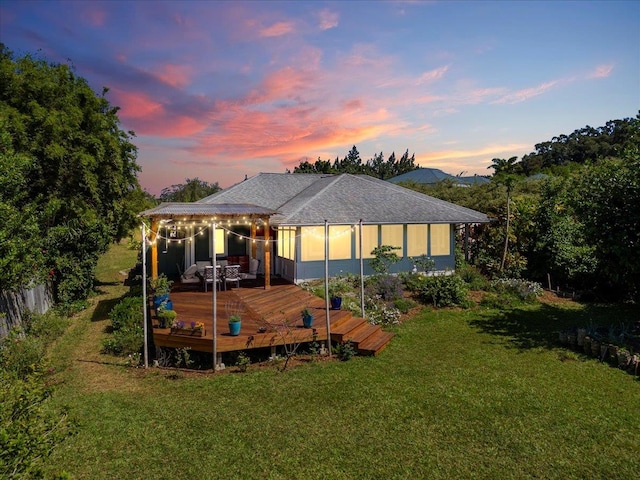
277	29
432	75
327	19
601	71
149	117
175	75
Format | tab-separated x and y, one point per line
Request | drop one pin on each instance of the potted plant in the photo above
338	286
307	317
161	287
166	317
234	325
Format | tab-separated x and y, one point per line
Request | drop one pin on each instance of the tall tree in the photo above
82	166
505	174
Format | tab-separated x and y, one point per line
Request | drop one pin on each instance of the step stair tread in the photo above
375	343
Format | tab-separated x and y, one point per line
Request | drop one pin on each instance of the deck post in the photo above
214	289
254	247
326	284
361	270
155	227
267	256
145	300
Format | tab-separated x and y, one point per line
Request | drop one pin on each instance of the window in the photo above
369	240
221	242
312	243
339	242
394	235
286	242
416	240
441	239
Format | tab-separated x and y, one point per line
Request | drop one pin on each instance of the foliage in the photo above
127	329
160	285
424	263
345	351
28	430
523	289
584	145
81	170
443	291
338	286
127	312
192	190
380	313
472	277
243	361
404	304
352	163
21	355
383	257
386	287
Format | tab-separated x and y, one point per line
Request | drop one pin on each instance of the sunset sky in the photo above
219	90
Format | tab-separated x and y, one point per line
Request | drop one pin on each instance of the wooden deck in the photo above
270	318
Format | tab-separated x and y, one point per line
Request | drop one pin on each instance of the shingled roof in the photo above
431	176
310	199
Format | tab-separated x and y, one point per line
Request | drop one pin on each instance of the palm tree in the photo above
505	174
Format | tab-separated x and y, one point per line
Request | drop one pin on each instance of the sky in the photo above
222	89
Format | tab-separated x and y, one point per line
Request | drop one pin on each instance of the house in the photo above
284	217
431	176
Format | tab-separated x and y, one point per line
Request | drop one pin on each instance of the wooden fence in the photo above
15	305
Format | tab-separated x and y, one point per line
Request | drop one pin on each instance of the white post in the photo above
214	289
361	271
145	300
326	284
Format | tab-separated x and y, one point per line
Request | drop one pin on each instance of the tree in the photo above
505	174
82	168
192	190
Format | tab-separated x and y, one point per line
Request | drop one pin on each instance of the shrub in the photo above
21	355
444	291
387	287
379	313
404	304
345	351
28	430
523	289
472	277
126	322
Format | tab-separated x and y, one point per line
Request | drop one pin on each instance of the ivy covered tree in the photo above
81	170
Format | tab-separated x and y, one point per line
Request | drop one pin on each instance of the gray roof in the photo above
195	209
435	175
310	199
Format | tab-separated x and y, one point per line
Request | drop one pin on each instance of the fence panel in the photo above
14	305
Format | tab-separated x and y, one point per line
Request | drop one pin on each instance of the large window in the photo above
369	240
339	242
312	243
287	242
394	235
221	242
441	239
416	240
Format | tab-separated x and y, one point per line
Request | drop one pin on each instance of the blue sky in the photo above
219	90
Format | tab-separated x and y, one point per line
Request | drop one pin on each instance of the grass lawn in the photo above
458	394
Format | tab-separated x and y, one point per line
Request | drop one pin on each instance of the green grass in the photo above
477	393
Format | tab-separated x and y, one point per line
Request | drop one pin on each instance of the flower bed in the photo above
194	329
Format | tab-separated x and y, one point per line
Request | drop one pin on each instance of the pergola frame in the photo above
212	215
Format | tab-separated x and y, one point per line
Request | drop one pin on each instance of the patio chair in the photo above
209	277
232	275
190	276
254	264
